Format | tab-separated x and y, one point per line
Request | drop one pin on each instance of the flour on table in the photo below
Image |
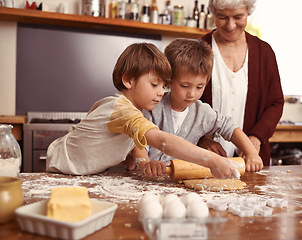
116	189
124	189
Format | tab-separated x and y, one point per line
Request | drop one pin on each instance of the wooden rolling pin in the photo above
186	170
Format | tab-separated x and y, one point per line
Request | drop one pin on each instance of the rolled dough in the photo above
215	185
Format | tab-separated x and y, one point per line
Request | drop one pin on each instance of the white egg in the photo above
146	198
197	209
151	209
189	197
175	209
166	199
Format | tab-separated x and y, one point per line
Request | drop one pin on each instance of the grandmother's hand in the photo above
211	145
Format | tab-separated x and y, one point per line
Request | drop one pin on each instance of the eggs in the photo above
171	206
197	209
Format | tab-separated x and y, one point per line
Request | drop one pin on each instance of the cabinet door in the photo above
39	160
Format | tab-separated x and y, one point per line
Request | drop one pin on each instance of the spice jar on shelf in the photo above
132	10
178	15
10	152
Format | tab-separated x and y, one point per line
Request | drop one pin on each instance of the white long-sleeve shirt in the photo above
101	140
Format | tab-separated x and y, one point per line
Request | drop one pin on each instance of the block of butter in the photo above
70	204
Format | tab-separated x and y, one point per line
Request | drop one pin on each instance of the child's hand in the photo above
224	168
253	163
153	168
130	163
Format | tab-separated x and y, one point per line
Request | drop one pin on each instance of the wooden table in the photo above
279	181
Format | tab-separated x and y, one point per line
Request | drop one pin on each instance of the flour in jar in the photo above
9	167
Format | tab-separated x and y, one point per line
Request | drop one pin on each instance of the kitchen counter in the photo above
126	188
287	133
17	123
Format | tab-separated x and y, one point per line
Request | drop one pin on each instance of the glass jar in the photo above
132	11
178	15
94	8
10	152
121	10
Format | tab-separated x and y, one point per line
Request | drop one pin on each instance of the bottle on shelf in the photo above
132	10
210	23
196	13
113	9
202	17
121	9
168	13
145	15
178	15
154	12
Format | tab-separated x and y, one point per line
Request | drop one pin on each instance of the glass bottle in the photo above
113	9
196	13
145	15
154	12
10	152
202	17
168	13
210	22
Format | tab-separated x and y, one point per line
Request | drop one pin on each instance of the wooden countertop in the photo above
13	119
17	122
287	133
125	188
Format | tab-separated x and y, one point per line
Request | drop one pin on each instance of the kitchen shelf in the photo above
90	22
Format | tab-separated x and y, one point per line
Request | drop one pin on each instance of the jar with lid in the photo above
121	10
94	8
10	152
132	10
178	15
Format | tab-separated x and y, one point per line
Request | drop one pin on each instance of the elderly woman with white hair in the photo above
245	81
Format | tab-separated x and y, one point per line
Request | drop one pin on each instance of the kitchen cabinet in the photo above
89	22
287	133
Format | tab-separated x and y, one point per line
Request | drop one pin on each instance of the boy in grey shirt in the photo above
181	113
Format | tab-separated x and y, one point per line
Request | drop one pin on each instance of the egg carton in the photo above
184	223
248	206
188	228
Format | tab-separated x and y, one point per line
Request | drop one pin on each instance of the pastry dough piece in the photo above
215	185
70	204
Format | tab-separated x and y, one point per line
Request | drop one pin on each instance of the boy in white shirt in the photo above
181	113
114	125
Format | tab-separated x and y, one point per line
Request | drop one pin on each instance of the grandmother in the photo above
245	81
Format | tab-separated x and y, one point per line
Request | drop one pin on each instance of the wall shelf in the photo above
89	22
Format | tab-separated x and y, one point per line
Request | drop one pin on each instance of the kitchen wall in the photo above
8	41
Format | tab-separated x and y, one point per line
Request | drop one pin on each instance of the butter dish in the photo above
32	218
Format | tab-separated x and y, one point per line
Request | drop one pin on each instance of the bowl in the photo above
32	218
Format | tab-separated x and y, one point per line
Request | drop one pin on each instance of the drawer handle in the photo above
43	158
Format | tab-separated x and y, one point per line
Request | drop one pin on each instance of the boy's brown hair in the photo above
138	59
191	55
